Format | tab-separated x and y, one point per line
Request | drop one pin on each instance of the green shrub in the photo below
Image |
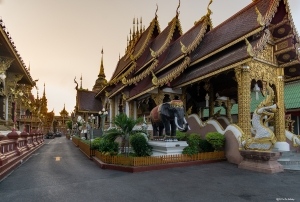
140	145
181	136
190	150
216	139
106	146
95	144
205	146
193	140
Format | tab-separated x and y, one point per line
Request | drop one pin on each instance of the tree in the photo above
124	129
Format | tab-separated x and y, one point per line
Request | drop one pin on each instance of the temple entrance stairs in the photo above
290	160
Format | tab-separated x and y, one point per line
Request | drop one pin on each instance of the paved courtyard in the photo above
60	172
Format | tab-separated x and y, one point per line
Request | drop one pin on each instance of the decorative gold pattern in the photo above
294	62
271	12
243	78
293	69
296	34
154	79
176	103
5	63
183	48
266	54
281	30
282	45
286	56
175	73
143	74
280	114
263	72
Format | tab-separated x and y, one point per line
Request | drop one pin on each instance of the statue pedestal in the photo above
265	162
167	148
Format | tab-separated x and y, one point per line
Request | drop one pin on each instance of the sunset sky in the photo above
62	39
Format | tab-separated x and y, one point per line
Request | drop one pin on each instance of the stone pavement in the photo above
60	172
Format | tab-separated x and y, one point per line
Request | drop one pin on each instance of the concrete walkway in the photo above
60	172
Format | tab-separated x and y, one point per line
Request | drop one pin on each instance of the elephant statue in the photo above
168	116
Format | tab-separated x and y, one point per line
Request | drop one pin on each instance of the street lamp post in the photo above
92	118
102	114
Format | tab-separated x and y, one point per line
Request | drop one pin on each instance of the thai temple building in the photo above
59	123
20	110
224	75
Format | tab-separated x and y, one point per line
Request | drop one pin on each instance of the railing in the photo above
75	140
15	145
156	160
85	148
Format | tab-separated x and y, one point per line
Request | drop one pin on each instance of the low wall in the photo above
14	148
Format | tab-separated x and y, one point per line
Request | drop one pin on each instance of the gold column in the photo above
280	114
211	101
244	82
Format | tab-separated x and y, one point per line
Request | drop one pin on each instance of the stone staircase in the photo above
290	160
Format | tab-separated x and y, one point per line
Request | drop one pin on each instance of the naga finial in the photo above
76	83
208	10
154	79
156	10
177	12
152	53
124	81
249	48
183	48
259	17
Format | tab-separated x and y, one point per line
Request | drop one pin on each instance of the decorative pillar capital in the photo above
5	63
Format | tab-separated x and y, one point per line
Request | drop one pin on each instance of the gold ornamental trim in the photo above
292	79
294	62
284	50
271	12
175	23
284	38
143	74
214	73
175	73
227	46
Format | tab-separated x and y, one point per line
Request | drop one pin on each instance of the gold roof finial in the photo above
259	17
133	33
141	26
249	48
137	27
81	81
177	12
44	93
29	67
156	10
208	10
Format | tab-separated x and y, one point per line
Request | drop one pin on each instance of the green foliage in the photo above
190	150
181	136
107	147
69	124
193	140
216	139
95	143
140	145
124	129
205	146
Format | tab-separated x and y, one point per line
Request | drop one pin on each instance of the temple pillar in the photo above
279	127
244	83
134	110
228	110
211	101
111	111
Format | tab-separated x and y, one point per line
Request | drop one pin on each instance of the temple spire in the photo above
44	93
101	73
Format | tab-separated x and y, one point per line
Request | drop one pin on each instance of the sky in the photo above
62	39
